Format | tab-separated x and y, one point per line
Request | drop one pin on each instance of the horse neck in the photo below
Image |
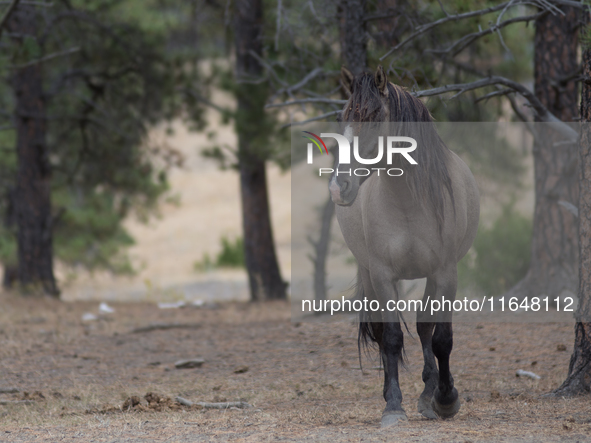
393	188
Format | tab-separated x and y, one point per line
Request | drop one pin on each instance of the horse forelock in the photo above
365	104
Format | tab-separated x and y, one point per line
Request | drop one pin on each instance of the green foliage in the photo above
232	253
500	255
101	101
585	32
231	256
90	232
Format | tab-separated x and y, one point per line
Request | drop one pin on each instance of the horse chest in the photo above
395	238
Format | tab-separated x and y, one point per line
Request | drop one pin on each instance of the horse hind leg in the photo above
446	402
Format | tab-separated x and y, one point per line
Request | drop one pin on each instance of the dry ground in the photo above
302	379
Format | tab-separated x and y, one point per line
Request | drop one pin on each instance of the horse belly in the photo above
407	256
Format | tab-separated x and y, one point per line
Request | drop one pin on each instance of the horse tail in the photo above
370	331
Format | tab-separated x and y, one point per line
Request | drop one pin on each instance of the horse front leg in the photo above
446	402
391	350
425	326
391	347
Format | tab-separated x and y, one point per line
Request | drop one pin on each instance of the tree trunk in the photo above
353	35
321	247
10	276
33	187
578	380
259	248
554	250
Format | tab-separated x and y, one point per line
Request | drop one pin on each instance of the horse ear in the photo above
381	80
347	80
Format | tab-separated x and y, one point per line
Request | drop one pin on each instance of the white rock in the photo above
87	316
178	304
105	308
522	373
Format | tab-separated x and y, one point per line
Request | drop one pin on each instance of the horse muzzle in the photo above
339	193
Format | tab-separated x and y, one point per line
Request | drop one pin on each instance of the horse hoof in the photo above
425	408
392	418
446	410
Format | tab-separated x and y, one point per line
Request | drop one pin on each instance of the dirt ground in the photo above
302	379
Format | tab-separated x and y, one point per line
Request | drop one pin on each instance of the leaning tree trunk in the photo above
578	380
33	181
553	267
259	249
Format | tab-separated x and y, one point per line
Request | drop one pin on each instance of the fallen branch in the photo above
165	326
192	363
206	405
522	373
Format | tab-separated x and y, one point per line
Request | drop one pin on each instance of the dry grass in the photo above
302	379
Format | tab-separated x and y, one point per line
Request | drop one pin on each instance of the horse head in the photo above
369	103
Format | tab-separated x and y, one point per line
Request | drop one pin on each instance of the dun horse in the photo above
416	225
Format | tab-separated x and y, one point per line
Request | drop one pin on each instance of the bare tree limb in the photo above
307	100
449	18
268	68
313	119
205	101
495	94
47	58
541	111
379	16
7	14
545	5
468	39
311	75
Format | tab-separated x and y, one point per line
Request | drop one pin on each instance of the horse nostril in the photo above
344	187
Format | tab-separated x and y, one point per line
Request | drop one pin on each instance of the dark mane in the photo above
426	179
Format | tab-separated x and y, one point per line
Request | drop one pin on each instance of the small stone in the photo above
241	369
560	347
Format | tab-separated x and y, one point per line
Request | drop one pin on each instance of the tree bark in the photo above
321	248
259	248
554	251
353	35
10	276
578	380
33	187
